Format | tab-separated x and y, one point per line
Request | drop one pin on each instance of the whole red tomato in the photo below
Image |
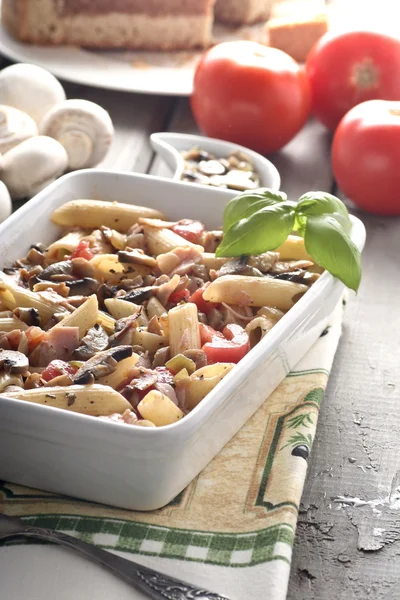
345	69
366	156
249	94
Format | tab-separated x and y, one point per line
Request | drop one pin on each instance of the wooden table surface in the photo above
347	544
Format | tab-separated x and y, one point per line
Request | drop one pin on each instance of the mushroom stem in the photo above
83	128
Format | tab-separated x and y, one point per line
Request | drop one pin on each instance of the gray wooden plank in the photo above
304	164
347	551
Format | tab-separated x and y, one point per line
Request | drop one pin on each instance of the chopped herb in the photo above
71	398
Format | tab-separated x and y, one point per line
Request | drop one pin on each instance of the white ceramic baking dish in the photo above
139	468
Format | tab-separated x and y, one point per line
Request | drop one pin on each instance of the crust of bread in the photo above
241	12
38	23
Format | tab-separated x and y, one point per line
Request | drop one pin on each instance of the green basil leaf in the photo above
262	231
331	247
248	203
320	203
300	224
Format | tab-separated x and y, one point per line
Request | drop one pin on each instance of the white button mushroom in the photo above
31	89
15	127
32	165
83	128
5	202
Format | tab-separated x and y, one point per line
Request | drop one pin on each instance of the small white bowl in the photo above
170	145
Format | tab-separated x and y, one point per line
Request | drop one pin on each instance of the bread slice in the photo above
130	24
241	12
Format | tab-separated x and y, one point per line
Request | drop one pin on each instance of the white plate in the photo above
138	468
163	73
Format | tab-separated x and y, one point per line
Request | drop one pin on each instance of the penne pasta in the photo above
112	270
95	400
65	245
211	261
152	351
120	308
184	333
84	317
202	381
155	308
161	241
271	313
106	321
11	323
13	297
159	409
121	373
254	291
293	249
149	341
92	214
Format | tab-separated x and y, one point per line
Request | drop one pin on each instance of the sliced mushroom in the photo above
136	257
115	238
140	295
239	266
32	165
59	288
15	127
101	364
96	340
30	316
35	257
82	268
83	287
83	128
13	362
264	262
61	268
199	357
30	89
298	276
289	266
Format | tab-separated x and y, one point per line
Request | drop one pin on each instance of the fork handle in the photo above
155	585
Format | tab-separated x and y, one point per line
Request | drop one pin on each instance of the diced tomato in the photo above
230	347
34	335
57	368
202	305
177	297
190	230
207	334
82	251
164	375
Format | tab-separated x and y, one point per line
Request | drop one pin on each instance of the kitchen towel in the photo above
231	530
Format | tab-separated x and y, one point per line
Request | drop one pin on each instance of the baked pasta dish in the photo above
132	318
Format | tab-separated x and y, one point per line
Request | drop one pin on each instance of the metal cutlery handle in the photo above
157	586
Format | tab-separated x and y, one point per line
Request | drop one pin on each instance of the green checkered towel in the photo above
232	529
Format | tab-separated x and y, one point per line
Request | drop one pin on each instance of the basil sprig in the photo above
259	221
